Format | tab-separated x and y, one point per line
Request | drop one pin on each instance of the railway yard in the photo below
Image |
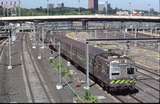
51	68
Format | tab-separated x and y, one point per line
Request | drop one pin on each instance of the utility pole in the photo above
48	7
130	6
34	37
87	65
3	5
135	36
149	13
6	8
95	34
11	8
42	38
39	56
15	8
159	7
59	85
59	62
9	37
79	7
19	7
106	6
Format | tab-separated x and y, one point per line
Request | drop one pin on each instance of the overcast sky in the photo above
124	4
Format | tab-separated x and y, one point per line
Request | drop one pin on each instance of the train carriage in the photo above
111	70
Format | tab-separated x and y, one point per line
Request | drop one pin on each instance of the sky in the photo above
124	4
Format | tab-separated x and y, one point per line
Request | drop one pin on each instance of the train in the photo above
110	69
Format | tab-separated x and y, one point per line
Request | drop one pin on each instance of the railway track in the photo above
148	72
142	45
148	75
143	90
37	91
144	87
2	43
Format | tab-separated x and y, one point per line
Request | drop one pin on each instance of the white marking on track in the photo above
1	56
101	97
13	102
41	77
2	50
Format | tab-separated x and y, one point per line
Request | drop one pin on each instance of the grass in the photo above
65	72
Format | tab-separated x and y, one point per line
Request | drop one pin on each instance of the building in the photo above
103	7
50	6
93	5
60	5
122	13
136	13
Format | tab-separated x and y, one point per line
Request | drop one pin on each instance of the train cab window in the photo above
130	70
115	73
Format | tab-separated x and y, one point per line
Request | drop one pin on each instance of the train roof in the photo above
93	51
79	45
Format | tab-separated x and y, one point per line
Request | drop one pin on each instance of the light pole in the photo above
10	11
3	5
59	85
87	65
42	35
15	8
53	43
19	8
131	8
125	31
9	45
159	7
6	8
149	9
79	7
95	35
39	55
106	33
47	7
106	6
135	36
34	36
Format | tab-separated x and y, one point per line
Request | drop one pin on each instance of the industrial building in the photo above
93	5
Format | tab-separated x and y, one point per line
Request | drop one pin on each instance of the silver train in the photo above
110	70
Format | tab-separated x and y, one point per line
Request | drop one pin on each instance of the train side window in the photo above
130	70
115	73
